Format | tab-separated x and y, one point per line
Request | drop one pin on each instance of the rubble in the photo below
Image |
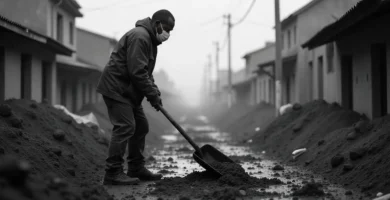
5	110
337	160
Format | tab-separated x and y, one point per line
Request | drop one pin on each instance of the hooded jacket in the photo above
127	77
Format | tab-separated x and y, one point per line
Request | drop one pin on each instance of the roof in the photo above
70	5
111	39
49	42
294	15
362	11
69	61
267	46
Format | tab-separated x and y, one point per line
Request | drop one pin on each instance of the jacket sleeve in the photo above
137	62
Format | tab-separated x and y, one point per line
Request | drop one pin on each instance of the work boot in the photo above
119	179
144	174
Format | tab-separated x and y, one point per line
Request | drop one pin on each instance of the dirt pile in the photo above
342	145
234	182
244	121
55	147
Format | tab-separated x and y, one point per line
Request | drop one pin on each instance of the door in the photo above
311	83
320	78
346	82
2	74
379	80
25	77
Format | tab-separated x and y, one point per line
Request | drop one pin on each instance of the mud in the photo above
235	182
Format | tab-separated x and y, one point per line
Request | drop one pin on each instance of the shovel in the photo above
204	155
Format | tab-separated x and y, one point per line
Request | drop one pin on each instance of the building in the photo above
28	52
45	56
243	86
261	63
94	50
362	65
310	75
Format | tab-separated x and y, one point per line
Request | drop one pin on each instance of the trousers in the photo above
130	128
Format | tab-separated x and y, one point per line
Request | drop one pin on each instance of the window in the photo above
71	31
330	55
289	39
295	35
60	27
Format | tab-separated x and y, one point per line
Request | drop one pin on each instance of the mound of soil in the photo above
343	145
56	148
309	189
234	182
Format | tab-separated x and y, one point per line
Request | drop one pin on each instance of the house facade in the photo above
363	60
27	52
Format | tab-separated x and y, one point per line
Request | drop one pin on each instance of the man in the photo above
126	80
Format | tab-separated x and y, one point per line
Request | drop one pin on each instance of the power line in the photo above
210	21
246	14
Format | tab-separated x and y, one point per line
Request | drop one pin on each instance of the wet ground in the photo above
175	160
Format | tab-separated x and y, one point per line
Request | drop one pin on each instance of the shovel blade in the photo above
210	155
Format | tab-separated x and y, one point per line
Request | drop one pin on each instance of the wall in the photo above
93	48
67	18
260	56
12	74
30	13
309	22
368	33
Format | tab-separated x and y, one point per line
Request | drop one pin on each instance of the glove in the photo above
156	102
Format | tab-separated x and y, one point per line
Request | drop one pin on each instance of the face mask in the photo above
163	36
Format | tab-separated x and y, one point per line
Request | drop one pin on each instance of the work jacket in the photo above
127	77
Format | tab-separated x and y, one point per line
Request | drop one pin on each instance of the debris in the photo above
351	135
348	167
257	129
170	159
184	149
298	152
15	171
385	197
321	142
242	192
278	168
297	106
310	189
357	153
5	110
151	158
71	171
285	109
16	122
379	194
336	160
59	135
56	151
363	126
348	192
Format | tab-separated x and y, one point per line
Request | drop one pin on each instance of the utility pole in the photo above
217	66
278	60
228	16
210	79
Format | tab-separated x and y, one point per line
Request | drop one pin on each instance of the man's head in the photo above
163	20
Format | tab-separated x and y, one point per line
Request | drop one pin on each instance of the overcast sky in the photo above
198	24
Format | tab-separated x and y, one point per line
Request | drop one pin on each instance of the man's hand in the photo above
156	102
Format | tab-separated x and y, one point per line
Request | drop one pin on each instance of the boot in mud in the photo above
119	179
144	174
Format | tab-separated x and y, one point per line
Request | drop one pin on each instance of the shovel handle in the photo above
178	127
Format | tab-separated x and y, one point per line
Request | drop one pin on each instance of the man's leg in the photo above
136	146
122	118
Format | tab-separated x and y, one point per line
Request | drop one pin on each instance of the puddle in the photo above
175	160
